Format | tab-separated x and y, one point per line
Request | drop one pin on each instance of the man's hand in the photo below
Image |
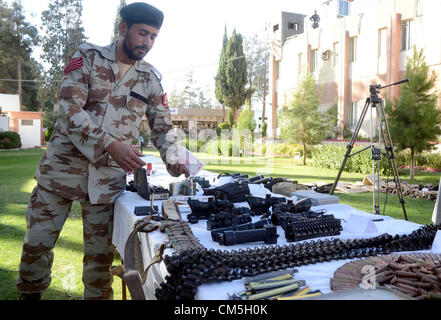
126	156
177	169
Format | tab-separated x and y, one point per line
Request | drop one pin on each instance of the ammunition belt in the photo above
181	237
302	229
193	267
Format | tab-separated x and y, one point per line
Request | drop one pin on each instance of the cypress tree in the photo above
115	36
220	77
234	91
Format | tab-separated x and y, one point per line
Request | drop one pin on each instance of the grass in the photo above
16	183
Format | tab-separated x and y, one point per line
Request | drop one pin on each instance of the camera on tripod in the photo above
376	102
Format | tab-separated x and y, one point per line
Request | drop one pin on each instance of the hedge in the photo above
332	156
9	140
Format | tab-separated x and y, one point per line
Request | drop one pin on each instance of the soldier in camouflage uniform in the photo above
104	95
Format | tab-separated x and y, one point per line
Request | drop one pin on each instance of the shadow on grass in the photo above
16	234
8	290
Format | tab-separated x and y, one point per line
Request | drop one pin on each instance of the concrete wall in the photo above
9	102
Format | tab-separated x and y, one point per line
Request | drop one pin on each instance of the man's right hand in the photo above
126	156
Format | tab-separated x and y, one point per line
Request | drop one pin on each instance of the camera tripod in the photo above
373	101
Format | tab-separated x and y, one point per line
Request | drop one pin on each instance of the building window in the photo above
407	40
335	52
314	60
293	26
277	69
27	122
275	28
353	114
343	8
353	49
382	42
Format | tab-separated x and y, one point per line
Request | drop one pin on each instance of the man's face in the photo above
138	40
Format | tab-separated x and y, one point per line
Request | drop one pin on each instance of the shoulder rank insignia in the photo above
73	64
165	100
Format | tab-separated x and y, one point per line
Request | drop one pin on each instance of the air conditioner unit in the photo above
326	55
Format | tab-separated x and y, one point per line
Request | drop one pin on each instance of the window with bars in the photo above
314	60
353	49
407	40
27	122
353	114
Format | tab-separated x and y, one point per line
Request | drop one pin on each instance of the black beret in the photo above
140	12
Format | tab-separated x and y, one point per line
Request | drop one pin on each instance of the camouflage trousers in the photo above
45	217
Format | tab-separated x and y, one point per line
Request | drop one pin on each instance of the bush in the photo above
48	134
9	140
222	126
332	156
423	160
287	149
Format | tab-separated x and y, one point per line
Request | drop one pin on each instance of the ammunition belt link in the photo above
190	268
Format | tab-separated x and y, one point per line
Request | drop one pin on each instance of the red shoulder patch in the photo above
165	100
73	64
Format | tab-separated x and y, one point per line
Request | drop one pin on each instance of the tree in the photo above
234	92
18	40
257	51
190	92
246	120
301	121
115	35
415	120
220	80
63	33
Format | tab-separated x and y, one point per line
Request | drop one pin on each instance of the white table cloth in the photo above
317	276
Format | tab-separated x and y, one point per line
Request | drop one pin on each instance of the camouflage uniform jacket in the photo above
98	107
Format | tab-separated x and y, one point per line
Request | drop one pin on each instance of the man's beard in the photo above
131	53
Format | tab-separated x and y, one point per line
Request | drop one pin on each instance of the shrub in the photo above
48	134
332	156
9	140
222	126
287	149
423	160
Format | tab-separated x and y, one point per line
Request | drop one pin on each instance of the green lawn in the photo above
16	183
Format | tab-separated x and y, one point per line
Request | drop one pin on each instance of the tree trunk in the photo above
412	163
223	113
304	154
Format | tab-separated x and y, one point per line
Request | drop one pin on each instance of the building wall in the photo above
379	55
29	125
9	102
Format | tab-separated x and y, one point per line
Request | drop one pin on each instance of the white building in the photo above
29	125
358	43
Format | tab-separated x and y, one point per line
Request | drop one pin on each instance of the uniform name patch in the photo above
73	64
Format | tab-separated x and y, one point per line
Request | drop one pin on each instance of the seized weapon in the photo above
267	234
303	205
246	226
260	206
203	210
225	219
233	191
